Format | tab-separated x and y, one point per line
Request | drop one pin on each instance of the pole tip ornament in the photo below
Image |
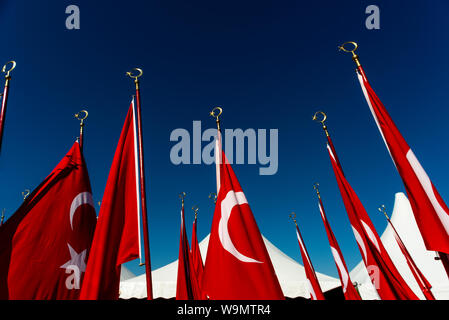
134	75
182	195
213	197
195	210
81	116
293	217
8	71
384	211
344	47
315	187
322	121
216	113
25	194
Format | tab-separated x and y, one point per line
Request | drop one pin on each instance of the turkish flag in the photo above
312	281
237	263
430	211
349	290
196	258
423	283
384	275
45	244
116	239
187	286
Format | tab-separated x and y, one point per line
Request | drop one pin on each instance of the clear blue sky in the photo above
269	64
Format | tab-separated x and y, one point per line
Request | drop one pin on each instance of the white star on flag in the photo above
76	263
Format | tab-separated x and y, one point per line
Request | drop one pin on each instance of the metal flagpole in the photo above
423	283
3	217
81	116
5	96
142	183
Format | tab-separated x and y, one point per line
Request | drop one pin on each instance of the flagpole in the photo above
3	217
81	116
329	140
5	97
142	184
442	256
423	282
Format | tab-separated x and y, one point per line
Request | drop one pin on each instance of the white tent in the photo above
126	274
291	276
405	224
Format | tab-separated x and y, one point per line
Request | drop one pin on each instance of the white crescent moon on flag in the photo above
428	189
79	200
371	235
359	240
229	202
341	268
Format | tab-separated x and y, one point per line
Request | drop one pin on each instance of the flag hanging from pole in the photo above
237	262
430	210
197	260
423	283
187	286
313	284
384	275
117	235
349	290
44	245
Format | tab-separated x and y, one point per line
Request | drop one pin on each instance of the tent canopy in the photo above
291	276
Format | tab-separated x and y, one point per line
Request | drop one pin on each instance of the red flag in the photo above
431	213
197	260
237	263
384	275
45	244
423	283
187	287
349	290
312	281
116	239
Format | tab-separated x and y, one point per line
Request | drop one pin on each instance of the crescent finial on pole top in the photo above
315	186
135	76
216	113
182	195
25	194
293	217
355	46
195	210
13	66
213	197
384	211
82	115
322	121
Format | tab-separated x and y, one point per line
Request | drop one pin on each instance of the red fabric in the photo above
423	283
425	200
116	238
384	275
38	242
349	290
187	286
196	258
247	272
313	285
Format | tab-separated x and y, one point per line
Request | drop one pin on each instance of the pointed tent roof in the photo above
405	224
291	276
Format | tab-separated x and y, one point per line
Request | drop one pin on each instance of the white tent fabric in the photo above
291	276
126	274
405	224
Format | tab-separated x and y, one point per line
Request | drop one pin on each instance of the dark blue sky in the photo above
269	64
